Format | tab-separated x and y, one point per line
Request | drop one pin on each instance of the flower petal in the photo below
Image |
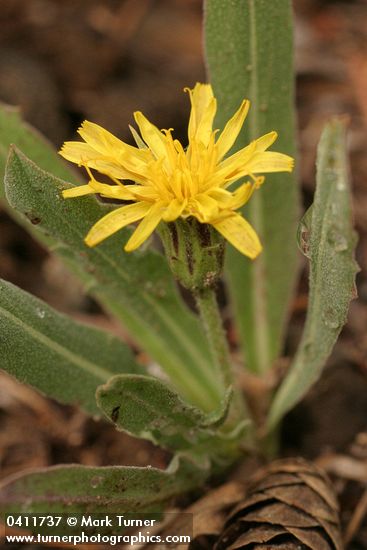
78	191
242	195
203	109
232	129
262	143
257	146
174	210
145	227
270	162
115	170
229	169
206	207
113	149
142	192
153	137
84	155
241	163
240	234
112	191
223	197
116	220
120	191
78	152
100	139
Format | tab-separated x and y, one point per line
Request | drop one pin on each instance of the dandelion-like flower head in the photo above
172	182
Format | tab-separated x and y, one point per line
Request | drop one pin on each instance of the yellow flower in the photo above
171	182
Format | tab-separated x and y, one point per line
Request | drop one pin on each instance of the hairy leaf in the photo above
250	55
330	245
58	356
146	407
77	489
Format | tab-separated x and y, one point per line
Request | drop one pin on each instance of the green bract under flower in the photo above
171	182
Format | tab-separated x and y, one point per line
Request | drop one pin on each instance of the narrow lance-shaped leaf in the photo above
330	247
147	408
56	355
249	53
75	489
137	288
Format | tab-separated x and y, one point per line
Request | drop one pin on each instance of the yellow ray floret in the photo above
173	182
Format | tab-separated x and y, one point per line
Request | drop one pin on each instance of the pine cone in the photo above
290	505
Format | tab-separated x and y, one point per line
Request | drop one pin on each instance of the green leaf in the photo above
249	53
137	287
84	489
147	408
14	130
330	246
58	356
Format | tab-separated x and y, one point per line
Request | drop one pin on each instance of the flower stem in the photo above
207	305
206	301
